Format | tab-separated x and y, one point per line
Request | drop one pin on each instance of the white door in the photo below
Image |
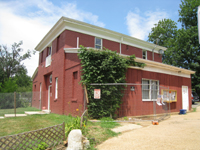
185	99
49	96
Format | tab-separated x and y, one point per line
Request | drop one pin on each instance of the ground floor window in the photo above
56	89
150	89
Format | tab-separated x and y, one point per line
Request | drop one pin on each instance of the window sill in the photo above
74	100
149	100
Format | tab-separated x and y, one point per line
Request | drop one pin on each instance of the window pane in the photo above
97	41
154	89
145	89
144	54
97	46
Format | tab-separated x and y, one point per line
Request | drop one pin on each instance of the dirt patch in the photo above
177	132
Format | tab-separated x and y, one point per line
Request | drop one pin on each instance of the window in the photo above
150	89
56	89
144	54
50	78
40	91
58	40
49	51
41	57
98	43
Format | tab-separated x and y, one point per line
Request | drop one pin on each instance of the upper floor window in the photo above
49	51
144	54
41	57
98	43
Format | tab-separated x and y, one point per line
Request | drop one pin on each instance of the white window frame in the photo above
98	44
144	55
150	88
56	88
40	91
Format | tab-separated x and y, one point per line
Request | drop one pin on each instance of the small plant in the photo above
126	118
42	146
74	124
194	109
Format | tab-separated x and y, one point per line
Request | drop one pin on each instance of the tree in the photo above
11	66
188	13
183	47
164	34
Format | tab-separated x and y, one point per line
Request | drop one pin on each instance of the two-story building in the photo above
59	70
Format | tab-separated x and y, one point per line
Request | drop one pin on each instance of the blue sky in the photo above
30	20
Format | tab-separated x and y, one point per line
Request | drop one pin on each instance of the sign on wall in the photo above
97	93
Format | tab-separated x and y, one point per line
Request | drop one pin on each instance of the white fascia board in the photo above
78	26
111	35
150	65
161	65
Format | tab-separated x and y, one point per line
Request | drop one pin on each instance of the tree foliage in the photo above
183	46
12	70
104	66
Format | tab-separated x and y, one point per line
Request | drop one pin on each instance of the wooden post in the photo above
15	103
86	95
63	131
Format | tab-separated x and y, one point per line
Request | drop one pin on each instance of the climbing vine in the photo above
104	66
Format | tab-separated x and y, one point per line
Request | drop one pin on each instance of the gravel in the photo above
177	132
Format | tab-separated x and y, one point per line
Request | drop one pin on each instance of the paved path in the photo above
178	132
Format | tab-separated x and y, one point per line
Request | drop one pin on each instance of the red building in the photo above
58	74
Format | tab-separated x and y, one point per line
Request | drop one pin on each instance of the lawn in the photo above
18	110
99	131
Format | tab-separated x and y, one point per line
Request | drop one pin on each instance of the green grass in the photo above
194	109
18	110
100	131
15	125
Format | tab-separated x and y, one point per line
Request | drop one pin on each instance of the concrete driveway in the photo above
178	132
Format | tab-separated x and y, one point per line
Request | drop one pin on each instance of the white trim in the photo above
49	97
81	27
77	46
150	65
56	88
165	71
158	85
40	95
98	44
145	54
183	96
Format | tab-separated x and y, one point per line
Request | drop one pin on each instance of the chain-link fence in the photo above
129	101
18	103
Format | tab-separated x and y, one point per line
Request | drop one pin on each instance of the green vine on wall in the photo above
104	66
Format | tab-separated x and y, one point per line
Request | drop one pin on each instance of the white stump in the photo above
75	140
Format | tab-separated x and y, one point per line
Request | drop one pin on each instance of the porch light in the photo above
132	88
161	52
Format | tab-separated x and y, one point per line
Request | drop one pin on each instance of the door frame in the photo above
187	97
49	97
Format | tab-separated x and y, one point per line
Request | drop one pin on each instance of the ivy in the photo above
104	66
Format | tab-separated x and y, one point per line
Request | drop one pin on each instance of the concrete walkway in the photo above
177	132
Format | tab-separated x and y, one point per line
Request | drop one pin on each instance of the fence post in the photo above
63	131
15	103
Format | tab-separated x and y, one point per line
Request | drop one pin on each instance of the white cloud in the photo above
140	24
31	20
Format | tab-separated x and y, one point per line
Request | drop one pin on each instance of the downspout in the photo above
153	52
77	46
